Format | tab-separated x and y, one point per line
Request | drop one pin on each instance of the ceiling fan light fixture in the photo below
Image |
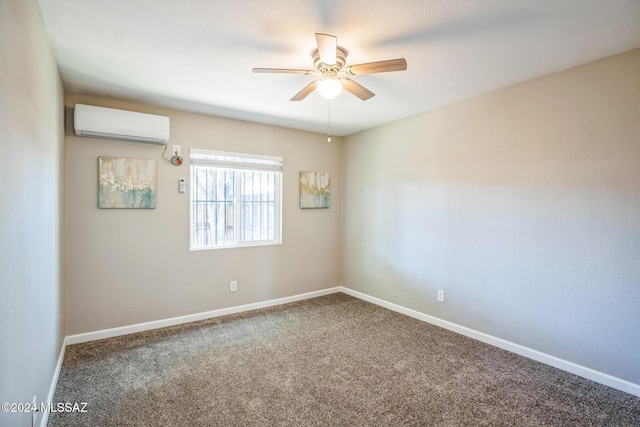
329	88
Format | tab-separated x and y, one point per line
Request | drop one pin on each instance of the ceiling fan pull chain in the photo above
329	137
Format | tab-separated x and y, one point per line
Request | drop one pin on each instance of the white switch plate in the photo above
233	286
440	295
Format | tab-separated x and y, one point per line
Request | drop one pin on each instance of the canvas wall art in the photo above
126	183
315	190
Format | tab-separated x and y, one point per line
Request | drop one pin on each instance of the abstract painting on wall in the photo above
315	190
126	183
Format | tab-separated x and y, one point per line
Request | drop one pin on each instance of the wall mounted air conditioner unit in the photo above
110	123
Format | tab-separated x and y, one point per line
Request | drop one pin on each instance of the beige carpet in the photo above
328	361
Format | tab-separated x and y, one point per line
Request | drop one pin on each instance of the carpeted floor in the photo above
328	361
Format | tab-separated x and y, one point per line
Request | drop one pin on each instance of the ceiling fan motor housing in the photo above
341	56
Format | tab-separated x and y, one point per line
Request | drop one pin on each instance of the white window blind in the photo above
223	159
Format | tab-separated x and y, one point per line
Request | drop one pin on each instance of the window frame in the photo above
240	163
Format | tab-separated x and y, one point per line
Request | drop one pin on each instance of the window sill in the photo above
244	245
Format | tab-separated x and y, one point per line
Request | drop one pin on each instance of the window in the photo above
235	199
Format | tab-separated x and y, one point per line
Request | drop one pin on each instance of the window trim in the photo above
254	162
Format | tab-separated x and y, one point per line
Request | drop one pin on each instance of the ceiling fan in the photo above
329	62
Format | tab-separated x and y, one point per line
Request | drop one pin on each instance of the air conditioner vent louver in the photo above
101	122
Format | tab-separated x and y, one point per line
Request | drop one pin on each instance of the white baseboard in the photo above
591	374
139	327
44	416
582	371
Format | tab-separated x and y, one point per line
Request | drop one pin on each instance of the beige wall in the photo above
131	266
31	185
523	204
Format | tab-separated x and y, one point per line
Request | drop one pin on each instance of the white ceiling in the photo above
197	55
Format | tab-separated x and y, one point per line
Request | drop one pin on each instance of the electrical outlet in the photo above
440	295
233	286
176	150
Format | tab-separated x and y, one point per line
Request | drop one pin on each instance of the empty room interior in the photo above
195	232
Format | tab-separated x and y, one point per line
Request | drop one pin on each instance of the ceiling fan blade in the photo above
356	89
281	70
399	64
327	46
306	91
